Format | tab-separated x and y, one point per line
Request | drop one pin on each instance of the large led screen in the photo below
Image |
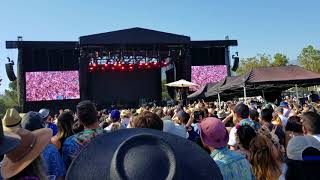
202	75
52	85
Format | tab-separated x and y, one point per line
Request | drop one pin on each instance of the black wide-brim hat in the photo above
140	154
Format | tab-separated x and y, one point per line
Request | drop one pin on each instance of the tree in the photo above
280	60
246	64
2	108
262	60
309	58
11	95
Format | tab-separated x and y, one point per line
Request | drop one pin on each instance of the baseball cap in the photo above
283	104
32	121
115	114
213	132
298	144
44	113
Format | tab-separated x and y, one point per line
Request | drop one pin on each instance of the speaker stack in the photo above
9	70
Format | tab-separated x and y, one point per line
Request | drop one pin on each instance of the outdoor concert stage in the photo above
120	67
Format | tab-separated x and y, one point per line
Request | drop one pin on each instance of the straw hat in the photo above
11	120
32	145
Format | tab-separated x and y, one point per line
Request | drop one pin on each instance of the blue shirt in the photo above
73	145
232	165
54	163
53	127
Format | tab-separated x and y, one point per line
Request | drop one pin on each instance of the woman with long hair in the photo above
25	161
65	123
263	158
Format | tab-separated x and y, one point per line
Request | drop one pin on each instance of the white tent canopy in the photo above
181	83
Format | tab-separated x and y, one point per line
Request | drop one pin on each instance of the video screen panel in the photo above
202	75
52	85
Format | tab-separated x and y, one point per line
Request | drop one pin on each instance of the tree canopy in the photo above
309	58
261	60
10	98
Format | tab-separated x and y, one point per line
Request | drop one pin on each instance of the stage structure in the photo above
114	68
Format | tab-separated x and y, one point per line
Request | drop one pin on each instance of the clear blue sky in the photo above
268	26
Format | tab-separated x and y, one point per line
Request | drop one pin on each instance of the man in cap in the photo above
232	165
47	120
87	115
115	118
286	109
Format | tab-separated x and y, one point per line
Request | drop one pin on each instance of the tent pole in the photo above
263	94
219	101
297	94
244	93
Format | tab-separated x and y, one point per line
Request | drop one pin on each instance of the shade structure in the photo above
181	83
267	79
200	93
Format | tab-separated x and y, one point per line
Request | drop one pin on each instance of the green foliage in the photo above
309	58
261	60
164	93
3	108
280	60
10	98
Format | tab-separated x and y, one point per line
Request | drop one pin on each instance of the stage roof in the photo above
134	36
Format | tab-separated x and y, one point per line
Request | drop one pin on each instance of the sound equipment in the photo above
10	72
235	64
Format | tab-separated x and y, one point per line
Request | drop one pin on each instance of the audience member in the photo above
147	119
53	161
266	118
24	161
245	134
254	116
125	117
241	116
293	128
263	159
48	120
115	121
170	127
8	141
286	109
311	124
232	165
72	146
303	158
65	123
11	120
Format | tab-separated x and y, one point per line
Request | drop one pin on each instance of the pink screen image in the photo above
202	75
52	85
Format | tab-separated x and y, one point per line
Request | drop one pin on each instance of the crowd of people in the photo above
239	140
56	85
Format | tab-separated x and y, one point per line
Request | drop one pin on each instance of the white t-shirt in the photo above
233	137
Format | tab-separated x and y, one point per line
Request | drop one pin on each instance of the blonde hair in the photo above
264	161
